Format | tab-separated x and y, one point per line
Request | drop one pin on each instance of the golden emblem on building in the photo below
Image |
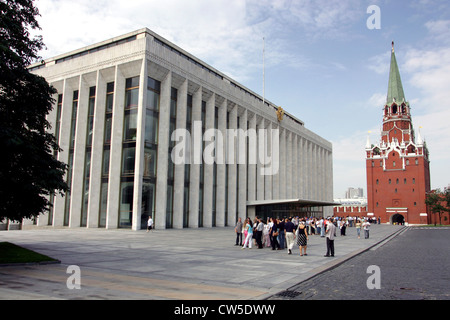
280	113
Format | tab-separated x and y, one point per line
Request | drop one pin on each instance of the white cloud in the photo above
379	63
440	30
224	33
377	100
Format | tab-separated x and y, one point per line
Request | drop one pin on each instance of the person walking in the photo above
289	228
248	238
358	228
238	231
366	226
322	224
330	234
149	224
259	233
274	235
343	227
302	238
266	235
313	226
281	235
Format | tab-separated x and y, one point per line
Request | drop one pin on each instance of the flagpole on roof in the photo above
264	71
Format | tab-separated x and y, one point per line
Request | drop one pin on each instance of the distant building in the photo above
354	193
355	207
398	167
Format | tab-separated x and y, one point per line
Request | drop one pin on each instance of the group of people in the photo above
280	234
277	234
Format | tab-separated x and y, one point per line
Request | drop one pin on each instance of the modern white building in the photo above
117	106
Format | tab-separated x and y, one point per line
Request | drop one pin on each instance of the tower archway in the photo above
397	218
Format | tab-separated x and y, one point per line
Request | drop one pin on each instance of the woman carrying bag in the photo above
302	238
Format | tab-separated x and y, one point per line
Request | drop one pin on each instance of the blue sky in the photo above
322	63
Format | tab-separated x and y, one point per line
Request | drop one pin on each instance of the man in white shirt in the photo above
149	224
330	231
366	227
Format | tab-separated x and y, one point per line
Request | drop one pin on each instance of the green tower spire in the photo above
395	88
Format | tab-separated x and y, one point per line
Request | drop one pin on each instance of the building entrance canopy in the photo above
288	208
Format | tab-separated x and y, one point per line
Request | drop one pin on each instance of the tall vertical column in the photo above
300	168
283	190
322	191
313	170
316	172
76	194
269	155
295	167
163	153
208	163
305	168
309	170
261	153
97	152
330	175
242	187
289	165
231	150
140	139
64	143
252	157
196	158
112	213
221	166
178	199
276	172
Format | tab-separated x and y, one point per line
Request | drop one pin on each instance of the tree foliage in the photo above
28	171
438	201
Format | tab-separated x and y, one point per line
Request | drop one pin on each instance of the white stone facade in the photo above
100	143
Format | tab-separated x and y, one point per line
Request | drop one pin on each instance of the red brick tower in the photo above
398	173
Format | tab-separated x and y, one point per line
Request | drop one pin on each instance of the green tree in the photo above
28	171
438	202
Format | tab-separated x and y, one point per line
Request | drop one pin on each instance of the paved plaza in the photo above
188	264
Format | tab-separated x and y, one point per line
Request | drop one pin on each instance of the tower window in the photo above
414	180
389	181
404	181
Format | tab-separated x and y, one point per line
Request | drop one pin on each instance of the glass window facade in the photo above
73	124
171	166
106	154
128	152
87	160
150	151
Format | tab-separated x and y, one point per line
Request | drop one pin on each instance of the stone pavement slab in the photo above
188	264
